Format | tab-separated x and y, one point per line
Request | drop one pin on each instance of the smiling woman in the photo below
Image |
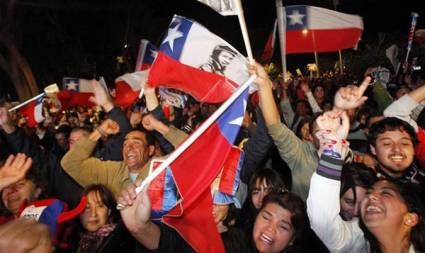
102	231
393	216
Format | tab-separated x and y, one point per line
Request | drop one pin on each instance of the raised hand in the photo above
351	96
101	96
304	86
14	169
25	236
150	123
108	127
262	80
334	122
137	206
333	130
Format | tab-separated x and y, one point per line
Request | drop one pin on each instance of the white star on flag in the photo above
72	86
173	34
296	18
153	53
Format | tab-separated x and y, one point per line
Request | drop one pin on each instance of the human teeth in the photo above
267	239
397	157
373	209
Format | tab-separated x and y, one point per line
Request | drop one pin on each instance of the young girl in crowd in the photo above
262	182
281	224
356	180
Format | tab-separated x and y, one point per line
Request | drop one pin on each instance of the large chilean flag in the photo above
314	29
188	62
195	170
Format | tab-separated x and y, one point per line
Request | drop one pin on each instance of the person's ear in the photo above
151	150
291	242
411	219
37	193
372	150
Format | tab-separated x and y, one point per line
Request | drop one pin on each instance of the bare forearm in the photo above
148	235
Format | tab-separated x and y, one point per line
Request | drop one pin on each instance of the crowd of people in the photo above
327	167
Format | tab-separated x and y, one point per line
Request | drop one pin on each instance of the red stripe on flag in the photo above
321	40
203	86
194	171
125	96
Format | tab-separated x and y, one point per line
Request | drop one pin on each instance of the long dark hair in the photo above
356	174
299	219
107	198
414	197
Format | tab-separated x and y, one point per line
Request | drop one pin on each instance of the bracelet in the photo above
100	130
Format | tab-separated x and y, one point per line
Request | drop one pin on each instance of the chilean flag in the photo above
198	55
76	91
203	86
314	29
194	171
128	87
270	45
146	55
33	111
162	191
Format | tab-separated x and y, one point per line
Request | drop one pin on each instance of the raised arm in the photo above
351	96
14	169
323	204
310	98
113	144
136	216
300	156
267	103
173	135
87	170
403	107
61	185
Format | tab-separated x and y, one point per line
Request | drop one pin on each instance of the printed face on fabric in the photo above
135	150
14	195
273	230
224	58
395	151
96	213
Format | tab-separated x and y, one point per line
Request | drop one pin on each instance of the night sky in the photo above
83	37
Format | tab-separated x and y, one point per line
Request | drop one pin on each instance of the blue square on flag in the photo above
176	37
296	17
150	54
71	84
